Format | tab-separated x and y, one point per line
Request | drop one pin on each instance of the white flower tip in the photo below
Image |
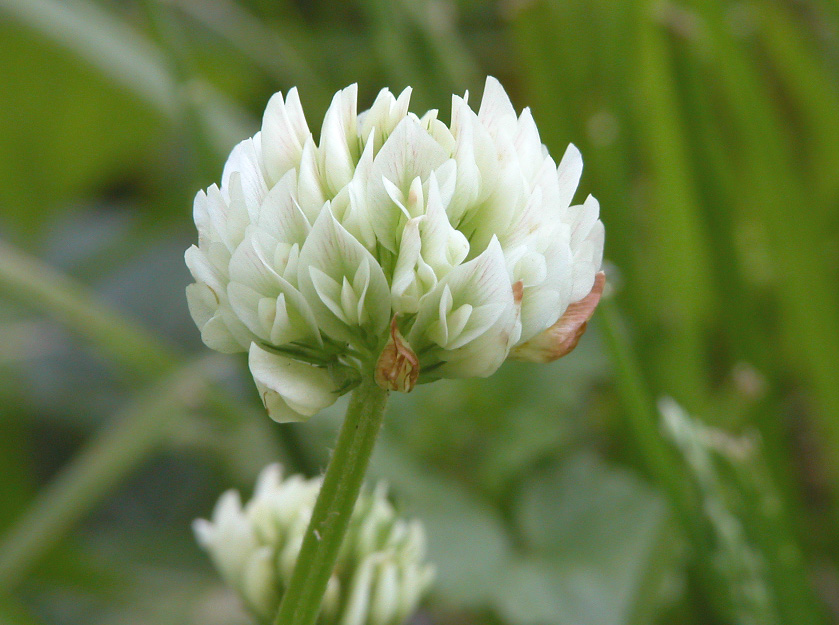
203	531
229	505
269	479
380	575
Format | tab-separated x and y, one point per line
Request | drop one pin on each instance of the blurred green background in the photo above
552	494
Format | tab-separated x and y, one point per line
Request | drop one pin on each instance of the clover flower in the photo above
396	244
379	577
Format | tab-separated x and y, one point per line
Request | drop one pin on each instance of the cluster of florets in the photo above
396	244
381	572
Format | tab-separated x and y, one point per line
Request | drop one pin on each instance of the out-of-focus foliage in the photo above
552	494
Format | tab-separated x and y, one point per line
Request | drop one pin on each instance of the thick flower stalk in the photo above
380	574
394	245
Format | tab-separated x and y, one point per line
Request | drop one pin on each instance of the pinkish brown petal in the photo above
398	366
562	337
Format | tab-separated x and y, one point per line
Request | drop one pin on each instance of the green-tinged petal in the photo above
332	251
339	145
408	153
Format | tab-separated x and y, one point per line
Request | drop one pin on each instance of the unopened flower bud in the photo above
380	575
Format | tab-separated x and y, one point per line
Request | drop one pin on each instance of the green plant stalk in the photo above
103	464
657	456
126	58
341	484
681	273
140	352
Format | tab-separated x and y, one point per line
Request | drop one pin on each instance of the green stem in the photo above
134	435
38	285
334	506
125	443
172	42
642	418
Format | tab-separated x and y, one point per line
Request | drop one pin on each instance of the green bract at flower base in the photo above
397	244
380	574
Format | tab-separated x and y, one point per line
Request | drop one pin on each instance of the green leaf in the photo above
467	541
594	535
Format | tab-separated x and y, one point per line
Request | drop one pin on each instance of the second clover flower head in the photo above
379	578
396	244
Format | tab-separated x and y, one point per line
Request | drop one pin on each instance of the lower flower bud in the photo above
381	572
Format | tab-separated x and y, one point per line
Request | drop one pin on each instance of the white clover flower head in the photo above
380	575
395	244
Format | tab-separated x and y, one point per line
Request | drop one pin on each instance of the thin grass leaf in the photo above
99	468
126	58
275	51
770	185
813	90
679	243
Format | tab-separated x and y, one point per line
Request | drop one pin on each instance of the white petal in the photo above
214	331
529	145
350	206
253	279
217	220
443	246
587	262
259	584
203	270
310	192
409	254
497	113
540	308
202	301
280	214
385	602
329	292
569	171
477	160
229	538
484	284
291	390
358	598
384	115
584	219
269	480
284	133
245	161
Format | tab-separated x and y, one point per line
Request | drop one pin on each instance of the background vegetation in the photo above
552	494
